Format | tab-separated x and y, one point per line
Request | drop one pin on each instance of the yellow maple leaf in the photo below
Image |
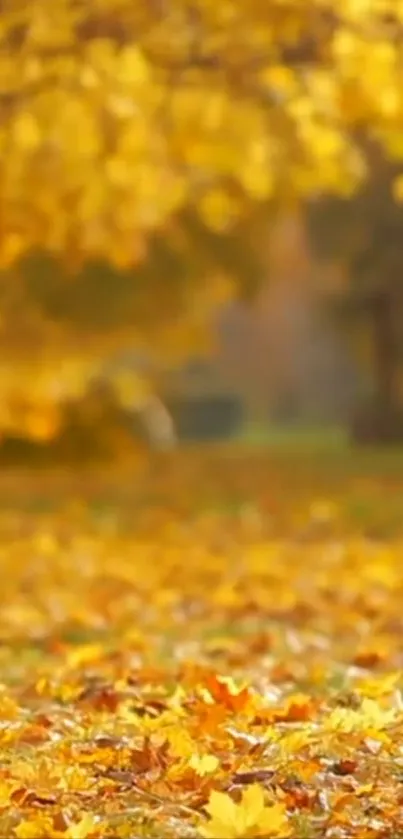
369	716
32	829
42	827
204	764
6	790
292	743
181	743
74	779
83	828
250	818
84	654
378	686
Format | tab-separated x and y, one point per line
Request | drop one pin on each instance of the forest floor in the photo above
213	648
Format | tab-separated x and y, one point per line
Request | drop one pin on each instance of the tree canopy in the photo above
116	113
137	143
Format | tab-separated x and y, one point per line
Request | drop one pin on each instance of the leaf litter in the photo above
199	670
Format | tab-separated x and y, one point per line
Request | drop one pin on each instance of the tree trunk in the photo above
381	421
385	361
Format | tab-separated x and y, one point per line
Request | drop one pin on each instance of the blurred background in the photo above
201	225
317	350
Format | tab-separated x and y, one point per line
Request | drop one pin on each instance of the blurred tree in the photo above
365	235
63	334
136	139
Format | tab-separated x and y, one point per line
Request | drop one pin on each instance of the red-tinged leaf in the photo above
209	718
261	644
56	647
100	698
368	659
347	766
339	802
227	694
258	776
297	708
148	757
43	721
300	798
24	797
20	795
108	741
61	821
34	735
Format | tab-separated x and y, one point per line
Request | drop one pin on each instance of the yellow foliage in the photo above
119	117
111	104
204	764
250	818
369	716
132	696
42	827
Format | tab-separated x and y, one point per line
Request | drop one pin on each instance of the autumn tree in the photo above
134	135
363	235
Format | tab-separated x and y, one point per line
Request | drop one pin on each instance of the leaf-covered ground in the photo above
221	657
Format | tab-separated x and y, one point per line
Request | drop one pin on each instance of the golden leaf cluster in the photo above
137	700
116	114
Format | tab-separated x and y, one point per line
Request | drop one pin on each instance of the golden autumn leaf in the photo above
204	764
292	743
370	715
81	829
42	827
250	818
84	654
6	791
116	718
378	686
36	829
